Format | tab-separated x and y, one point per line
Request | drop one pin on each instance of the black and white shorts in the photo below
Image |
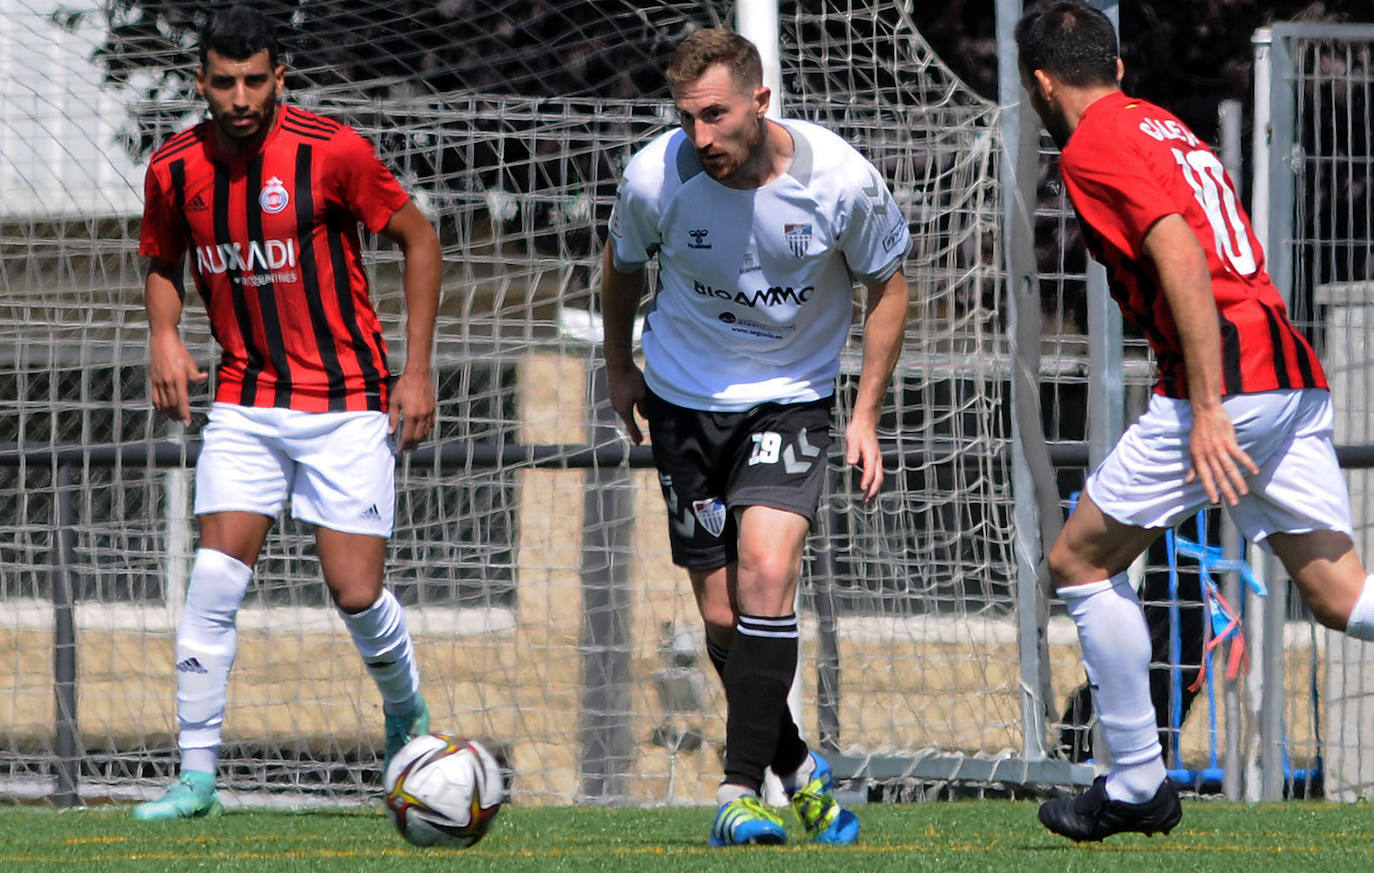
711	463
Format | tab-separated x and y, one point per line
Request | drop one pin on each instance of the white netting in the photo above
541	596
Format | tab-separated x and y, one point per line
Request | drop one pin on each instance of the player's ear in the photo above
200	81
1044	83
762	97
1120	71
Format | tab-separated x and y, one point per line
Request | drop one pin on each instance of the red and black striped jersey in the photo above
1130	163
273	241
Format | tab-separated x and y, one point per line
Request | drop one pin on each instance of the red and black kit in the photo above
1130	163
273	243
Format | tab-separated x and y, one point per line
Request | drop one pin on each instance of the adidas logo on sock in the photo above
371	513
190	665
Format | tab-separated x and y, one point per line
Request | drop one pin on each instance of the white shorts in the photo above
338	468
1299	488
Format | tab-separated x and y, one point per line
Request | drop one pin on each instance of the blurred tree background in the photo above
1187	55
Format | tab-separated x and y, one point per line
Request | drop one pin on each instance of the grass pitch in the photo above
949	837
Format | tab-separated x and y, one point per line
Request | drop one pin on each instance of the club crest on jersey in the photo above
798	238
711	513
273	197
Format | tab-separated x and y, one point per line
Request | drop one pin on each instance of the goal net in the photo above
530	548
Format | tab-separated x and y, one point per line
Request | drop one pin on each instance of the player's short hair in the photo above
238	33
711	46
1069	40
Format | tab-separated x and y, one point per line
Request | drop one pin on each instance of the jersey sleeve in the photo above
1115	191
361	183
159	237
634	234
875	237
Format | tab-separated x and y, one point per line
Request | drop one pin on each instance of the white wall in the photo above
59	148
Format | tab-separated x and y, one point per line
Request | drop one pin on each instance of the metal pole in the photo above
1271	218
179	528
757	20
1106	380
607	740
1229	124
1036	512
68	750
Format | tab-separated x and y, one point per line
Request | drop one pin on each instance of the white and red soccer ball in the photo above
443	790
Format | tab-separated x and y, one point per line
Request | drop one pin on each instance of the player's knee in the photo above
355	598
766	567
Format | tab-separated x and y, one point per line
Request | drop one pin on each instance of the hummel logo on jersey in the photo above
798	238
371	513
197	204
698	235
190	665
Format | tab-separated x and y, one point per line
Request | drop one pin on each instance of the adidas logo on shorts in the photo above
371	513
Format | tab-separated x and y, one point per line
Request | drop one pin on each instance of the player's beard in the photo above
1052	118
752	152
266	116
1058	128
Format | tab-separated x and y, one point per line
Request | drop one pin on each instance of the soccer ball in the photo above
443	790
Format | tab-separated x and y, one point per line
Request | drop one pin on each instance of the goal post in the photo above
530	548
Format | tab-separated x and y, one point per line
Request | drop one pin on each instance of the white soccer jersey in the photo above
755	287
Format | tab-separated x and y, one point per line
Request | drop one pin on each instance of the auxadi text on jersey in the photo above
273	197
272	254
774	296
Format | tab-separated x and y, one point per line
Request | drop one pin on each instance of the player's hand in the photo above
170	369
862	449
1218	460
412	408
627	391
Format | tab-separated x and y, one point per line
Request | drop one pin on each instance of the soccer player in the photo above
1240	411
265	201
760	228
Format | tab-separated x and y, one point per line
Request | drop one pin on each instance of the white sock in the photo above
802	775
1116	653
1361	622
380	635
207	641
729	792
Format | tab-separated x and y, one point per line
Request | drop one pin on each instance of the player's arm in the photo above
170	365
884	327
1180	263
620	293
412	397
